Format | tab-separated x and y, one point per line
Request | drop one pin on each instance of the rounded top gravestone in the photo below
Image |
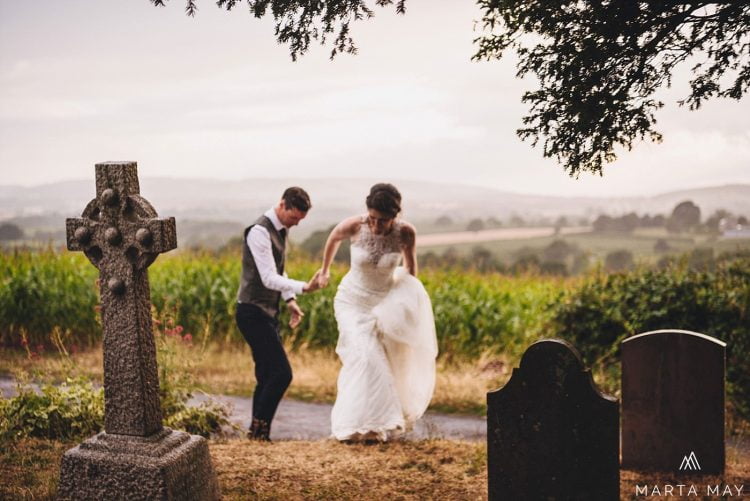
673	401
547	364
551	433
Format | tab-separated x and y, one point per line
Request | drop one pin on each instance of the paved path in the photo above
297	420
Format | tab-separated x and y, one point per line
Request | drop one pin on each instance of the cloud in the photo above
216	96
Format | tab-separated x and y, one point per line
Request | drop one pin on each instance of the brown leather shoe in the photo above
260	430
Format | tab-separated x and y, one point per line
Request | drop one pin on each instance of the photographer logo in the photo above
690	462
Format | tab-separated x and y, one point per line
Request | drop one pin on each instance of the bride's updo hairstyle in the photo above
384	198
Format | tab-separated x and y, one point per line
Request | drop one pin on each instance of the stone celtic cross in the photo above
135	457
121	234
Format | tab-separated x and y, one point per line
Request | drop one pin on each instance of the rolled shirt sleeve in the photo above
259	243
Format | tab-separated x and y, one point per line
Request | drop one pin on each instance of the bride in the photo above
387	343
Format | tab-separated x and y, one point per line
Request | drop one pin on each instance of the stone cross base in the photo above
169	465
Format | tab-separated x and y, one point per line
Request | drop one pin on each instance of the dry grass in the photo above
430	469
231	371
291	470
50	365
29	468
461	386
330	470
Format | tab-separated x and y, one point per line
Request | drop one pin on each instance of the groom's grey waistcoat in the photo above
252	290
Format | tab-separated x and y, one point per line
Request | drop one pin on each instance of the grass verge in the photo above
461	385
294	470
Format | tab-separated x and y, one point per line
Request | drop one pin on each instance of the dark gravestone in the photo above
673	401
551	434
135	457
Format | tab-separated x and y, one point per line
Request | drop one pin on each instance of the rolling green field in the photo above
41	291
597	245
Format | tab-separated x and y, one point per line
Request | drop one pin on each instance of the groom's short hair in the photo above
296	198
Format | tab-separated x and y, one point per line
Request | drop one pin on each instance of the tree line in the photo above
685	217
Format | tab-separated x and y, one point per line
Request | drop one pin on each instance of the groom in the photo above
262	284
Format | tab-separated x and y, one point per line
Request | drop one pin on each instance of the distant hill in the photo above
231	204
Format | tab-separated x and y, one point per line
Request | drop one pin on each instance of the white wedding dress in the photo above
386	344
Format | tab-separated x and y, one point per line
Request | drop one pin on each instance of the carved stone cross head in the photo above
119	229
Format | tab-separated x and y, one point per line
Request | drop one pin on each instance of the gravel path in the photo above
297	420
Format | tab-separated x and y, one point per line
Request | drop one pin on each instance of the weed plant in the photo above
74	409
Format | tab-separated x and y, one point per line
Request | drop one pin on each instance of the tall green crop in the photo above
476	312
473	312
41	290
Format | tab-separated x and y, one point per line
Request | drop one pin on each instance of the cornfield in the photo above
42	290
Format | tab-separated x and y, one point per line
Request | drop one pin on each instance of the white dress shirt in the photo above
259	242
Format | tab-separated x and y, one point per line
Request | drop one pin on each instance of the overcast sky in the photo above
84	81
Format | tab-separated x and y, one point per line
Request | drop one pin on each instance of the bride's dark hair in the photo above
384	198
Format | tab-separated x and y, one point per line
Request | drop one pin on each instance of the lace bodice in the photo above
373	261
376	246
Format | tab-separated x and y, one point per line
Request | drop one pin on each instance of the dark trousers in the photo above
273	374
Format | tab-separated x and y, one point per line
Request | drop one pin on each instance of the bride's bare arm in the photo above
345	229
409	247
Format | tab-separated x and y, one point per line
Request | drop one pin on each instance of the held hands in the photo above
313	284
324	277
318	281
